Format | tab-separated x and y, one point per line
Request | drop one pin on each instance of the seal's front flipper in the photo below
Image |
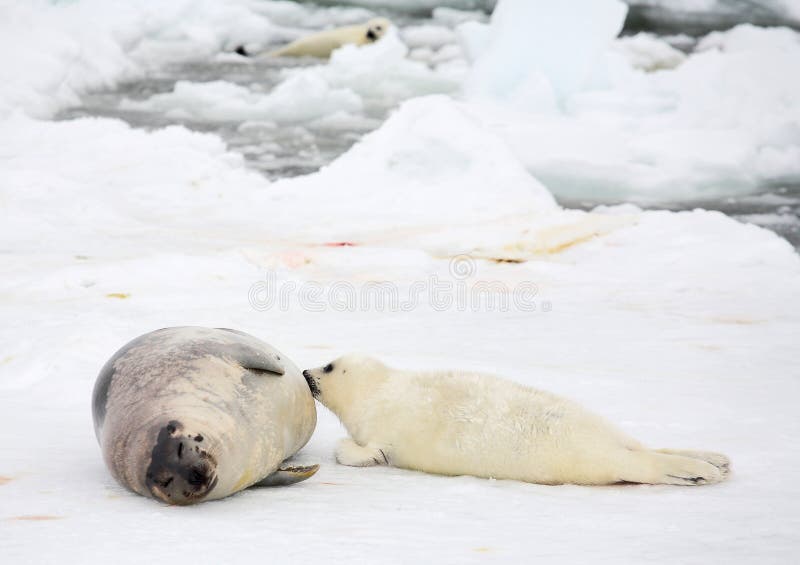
252	358
256	360
286	475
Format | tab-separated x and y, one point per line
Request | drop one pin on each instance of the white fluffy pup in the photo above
454	423
323	43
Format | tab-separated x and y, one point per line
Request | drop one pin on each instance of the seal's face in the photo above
336	384
314	381
181	469
376	29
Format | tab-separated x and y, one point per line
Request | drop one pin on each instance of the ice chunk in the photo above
431	36
474	39
452	17
380	72
429	168
591	126
50	53
309	16
432	178
647	52
302	97
747	37
533	41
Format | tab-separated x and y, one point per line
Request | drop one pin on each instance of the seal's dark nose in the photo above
306	374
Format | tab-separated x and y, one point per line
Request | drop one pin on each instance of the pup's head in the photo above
344	380
376	28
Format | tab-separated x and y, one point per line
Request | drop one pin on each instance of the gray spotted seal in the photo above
190	414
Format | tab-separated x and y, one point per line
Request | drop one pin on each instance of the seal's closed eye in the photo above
327	368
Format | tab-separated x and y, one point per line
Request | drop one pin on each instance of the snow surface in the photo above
679	327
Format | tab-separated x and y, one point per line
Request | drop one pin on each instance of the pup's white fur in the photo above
322	44
454	423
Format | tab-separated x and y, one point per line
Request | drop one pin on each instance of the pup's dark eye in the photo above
327	368
379	28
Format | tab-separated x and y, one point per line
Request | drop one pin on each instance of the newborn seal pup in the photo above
453	423
191	414
323	43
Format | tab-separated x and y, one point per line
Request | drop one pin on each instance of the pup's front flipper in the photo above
350	453
286	475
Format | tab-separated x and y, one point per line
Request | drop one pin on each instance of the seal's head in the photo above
376	28
345	379
181	469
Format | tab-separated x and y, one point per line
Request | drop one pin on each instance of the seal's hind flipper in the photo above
286	475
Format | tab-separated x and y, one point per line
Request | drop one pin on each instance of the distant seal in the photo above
323	43
190	414
457	423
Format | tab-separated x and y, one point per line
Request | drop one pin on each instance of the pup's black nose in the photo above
312	383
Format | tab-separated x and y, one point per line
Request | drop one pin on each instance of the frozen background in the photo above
639	165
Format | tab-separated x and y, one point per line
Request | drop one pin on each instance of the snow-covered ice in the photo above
531	46
647	52
693	309
220	100
591	125
63	49
679	327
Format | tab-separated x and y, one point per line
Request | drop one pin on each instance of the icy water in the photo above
280	151
702	18
777	209
277	152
